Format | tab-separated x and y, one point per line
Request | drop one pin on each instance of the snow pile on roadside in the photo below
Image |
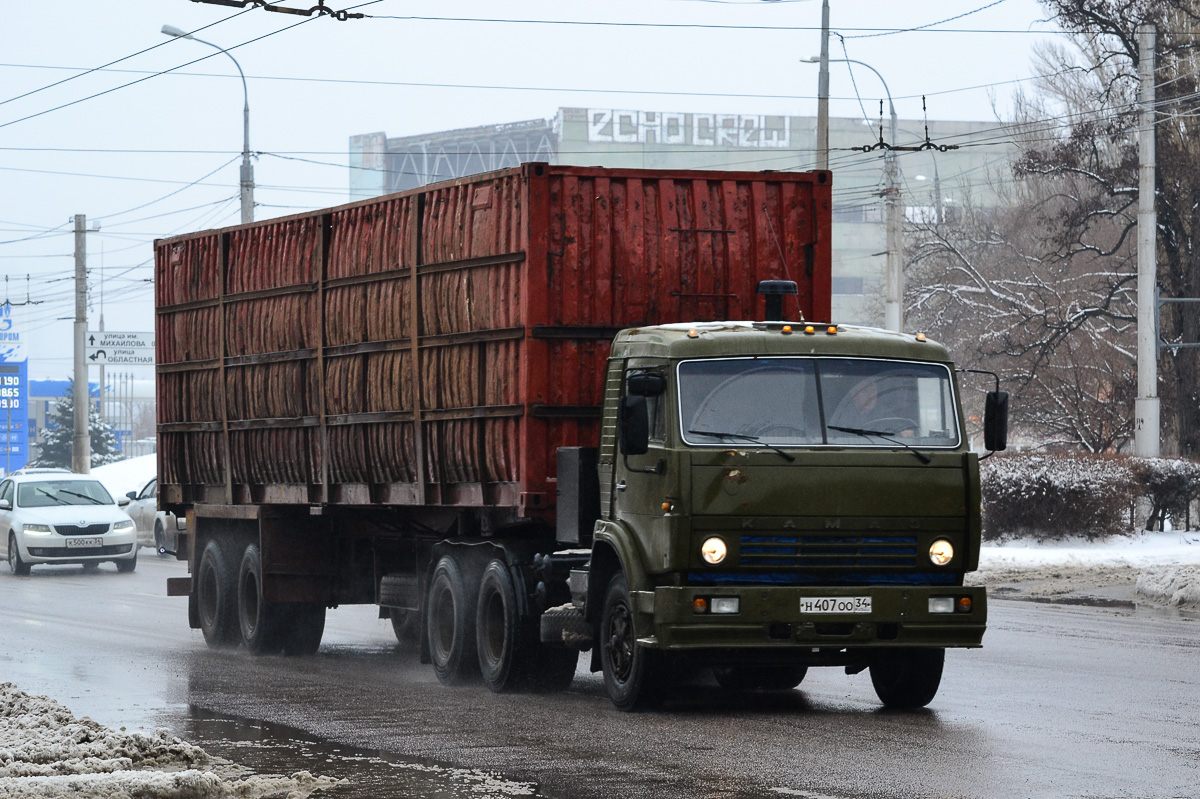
46	753
128	475
1172	585
1164	566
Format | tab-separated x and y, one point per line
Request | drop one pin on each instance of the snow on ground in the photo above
47	753
1163	568
131	474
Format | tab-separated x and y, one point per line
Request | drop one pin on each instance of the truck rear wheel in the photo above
632	673
216	597
303	627
907	678
260	622
511	656
450	622
760	678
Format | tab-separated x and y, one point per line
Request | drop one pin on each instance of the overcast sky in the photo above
149	146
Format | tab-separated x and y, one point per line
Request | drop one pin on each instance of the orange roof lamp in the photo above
775	291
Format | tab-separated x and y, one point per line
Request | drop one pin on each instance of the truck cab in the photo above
777	496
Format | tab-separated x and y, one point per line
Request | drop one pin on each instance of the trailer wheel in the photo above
303	627
632	673
450	621
216	597
260	622
760	678
907	678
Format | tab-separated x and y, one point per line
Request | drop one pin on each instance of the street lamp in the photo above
893	312
247	188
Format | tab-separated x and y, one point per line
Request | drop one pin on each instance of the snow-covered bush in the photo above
1168	485
1055	495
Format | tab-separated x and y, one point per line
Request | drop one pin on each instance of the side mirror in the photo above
633	426
646	384
122	502
131	494
995	421
5	504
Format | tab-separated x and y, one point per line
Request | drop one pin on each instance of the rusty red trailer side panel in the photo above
436	347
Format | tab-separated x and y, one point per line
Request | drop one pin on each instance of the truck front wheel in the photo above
907	678
450	621
216	597
632	673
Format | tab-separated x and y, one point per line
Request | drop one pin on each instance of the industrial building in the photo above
930	180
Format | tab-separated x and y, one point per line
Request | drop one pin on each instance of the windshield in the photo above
852	402
49	493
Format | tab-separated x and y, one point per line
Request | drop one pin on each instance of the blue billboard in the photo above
14	415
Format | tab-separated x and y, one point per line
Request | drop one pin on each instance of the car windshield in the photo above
852	402
47	493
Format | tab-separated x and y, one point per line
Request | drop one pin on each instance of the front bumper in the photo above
771	617
54	549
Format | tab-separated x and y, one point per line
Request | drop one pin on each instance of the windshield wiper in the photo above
787	456
54	497
858	431
92	500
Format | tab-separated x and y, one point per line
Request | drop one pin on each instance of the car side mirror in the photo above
122	502
5	504
633	425
131	494
995	421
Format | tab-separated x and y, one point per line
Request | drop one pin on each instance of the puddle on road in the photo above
275	749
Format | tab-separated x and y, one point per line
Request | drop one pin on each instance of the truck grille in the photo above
72	529
829	552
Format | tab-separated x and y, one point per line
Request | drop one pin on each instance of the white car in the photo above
64	518
156	528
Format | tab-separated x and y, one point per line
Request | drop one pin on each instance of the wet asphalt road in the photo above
1062	701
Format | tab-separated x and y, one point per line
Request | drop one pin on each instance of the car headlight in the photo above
713	550
121	527
36	529
941	552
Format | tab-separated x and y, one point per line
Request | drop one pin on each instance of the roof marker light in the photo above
920	337
831	330
809	329
693	333
787	330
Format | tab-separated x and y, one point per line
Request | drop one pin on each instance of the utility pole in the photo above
893	308
1146	408
81	450
823	92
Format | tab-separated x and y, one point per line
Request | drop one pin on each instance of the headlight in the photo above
713	550
36	529
121	527
941	552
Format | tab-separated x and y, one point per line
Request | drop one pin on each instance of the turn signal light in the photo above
700	605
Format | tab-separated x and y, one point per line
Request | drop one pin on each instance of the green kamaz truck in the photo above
558	409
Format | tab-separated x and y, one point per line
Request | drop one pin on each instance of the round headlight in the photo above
713	550
941	552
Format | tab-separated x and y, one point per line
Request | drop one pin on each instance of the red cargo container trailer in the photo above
436	347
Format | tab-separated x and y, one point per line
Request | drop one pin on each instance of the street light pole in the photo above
247	172
893	309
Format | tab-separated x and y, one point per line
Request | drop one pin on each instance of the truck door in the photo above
641	469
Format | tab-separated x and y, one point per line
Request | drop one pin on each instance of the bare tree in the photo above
1041	287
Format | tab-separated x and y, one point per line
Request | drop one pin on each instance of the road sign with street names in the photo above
99	339
114	347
